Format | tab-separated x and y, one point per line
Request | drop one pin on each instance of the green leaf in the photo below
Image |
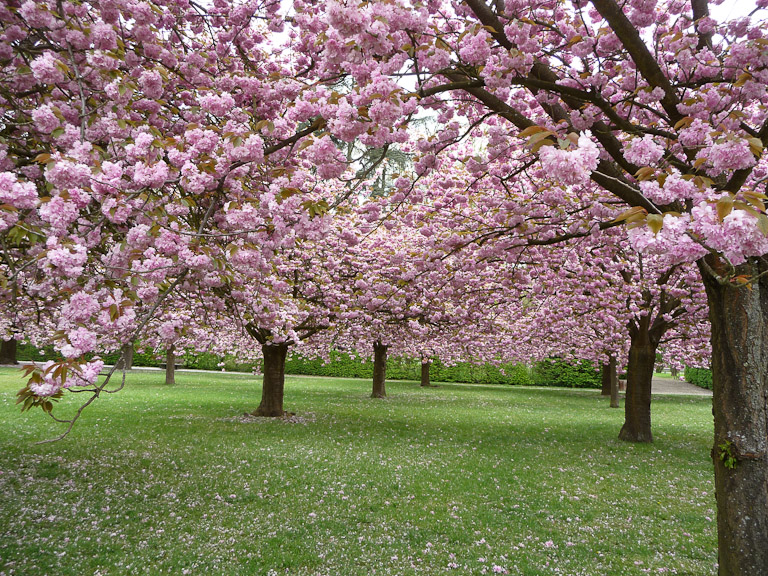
762	224
655	222
645	173
634	214
724	207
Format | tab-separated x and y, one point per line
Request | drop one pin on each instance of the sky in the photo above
732	9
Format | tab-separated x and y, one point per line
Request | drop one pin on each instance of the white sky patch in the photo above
731	9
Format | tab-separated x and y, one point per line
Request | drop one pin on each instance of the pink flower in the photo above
571	166
80	308
45	120
83	375
218	105
103	36
151	175
59	213
731	155
49	386
168	330
8	220
151	84
37	14
252	150
69	261
89	372
117	212
46	70
644	152
66	174
22	195
81	340
475	49
328	158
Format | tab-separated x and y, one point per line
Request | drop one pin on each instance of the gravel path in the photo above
674	386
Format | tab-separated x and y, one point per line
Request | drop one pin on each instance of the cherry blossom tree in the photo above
141	143
136	133
675	104
572	283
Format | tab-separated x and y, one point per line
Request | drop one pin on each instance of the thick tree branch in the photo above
641	56
701	10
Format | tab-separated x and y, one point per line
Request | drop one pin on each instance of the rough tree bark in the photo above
170	365
613	382
637	404
8	352
739	318
379	370
125	362
273	381
425	381
605	388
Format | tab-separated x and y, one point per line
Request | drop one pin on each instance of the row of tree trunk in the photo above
739	323
637	426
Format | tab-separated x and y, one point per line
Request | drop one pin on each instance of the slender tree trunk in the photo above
613	382
425	382
170	365
637	404
125	362
273	381
739	318
8	351
379	370
605	389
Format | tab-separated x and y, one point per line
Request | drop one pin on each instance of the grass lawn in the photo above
457	479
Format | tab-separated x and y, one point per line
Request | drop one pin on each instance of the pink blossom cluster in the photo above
644	151
571	166
85	375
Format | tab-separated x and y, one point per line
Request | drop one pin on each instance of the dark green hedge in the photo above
511	374
699	376
558	372
28	353
342	365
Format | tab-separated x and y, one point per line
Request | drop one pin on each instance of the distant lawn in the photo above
458	479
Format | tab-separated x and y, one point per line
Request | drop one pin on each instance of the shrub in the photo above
28	353
699	376
518	375
342	365
146	357
558	372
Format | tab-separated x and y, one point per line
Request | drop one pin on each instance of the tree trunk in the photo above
613	382
637	404
273	381
8	352
425	382
170	365
605	389
379	370
125	362
739	318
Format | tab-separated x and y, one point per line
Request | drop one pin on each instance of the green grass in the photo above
458	479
